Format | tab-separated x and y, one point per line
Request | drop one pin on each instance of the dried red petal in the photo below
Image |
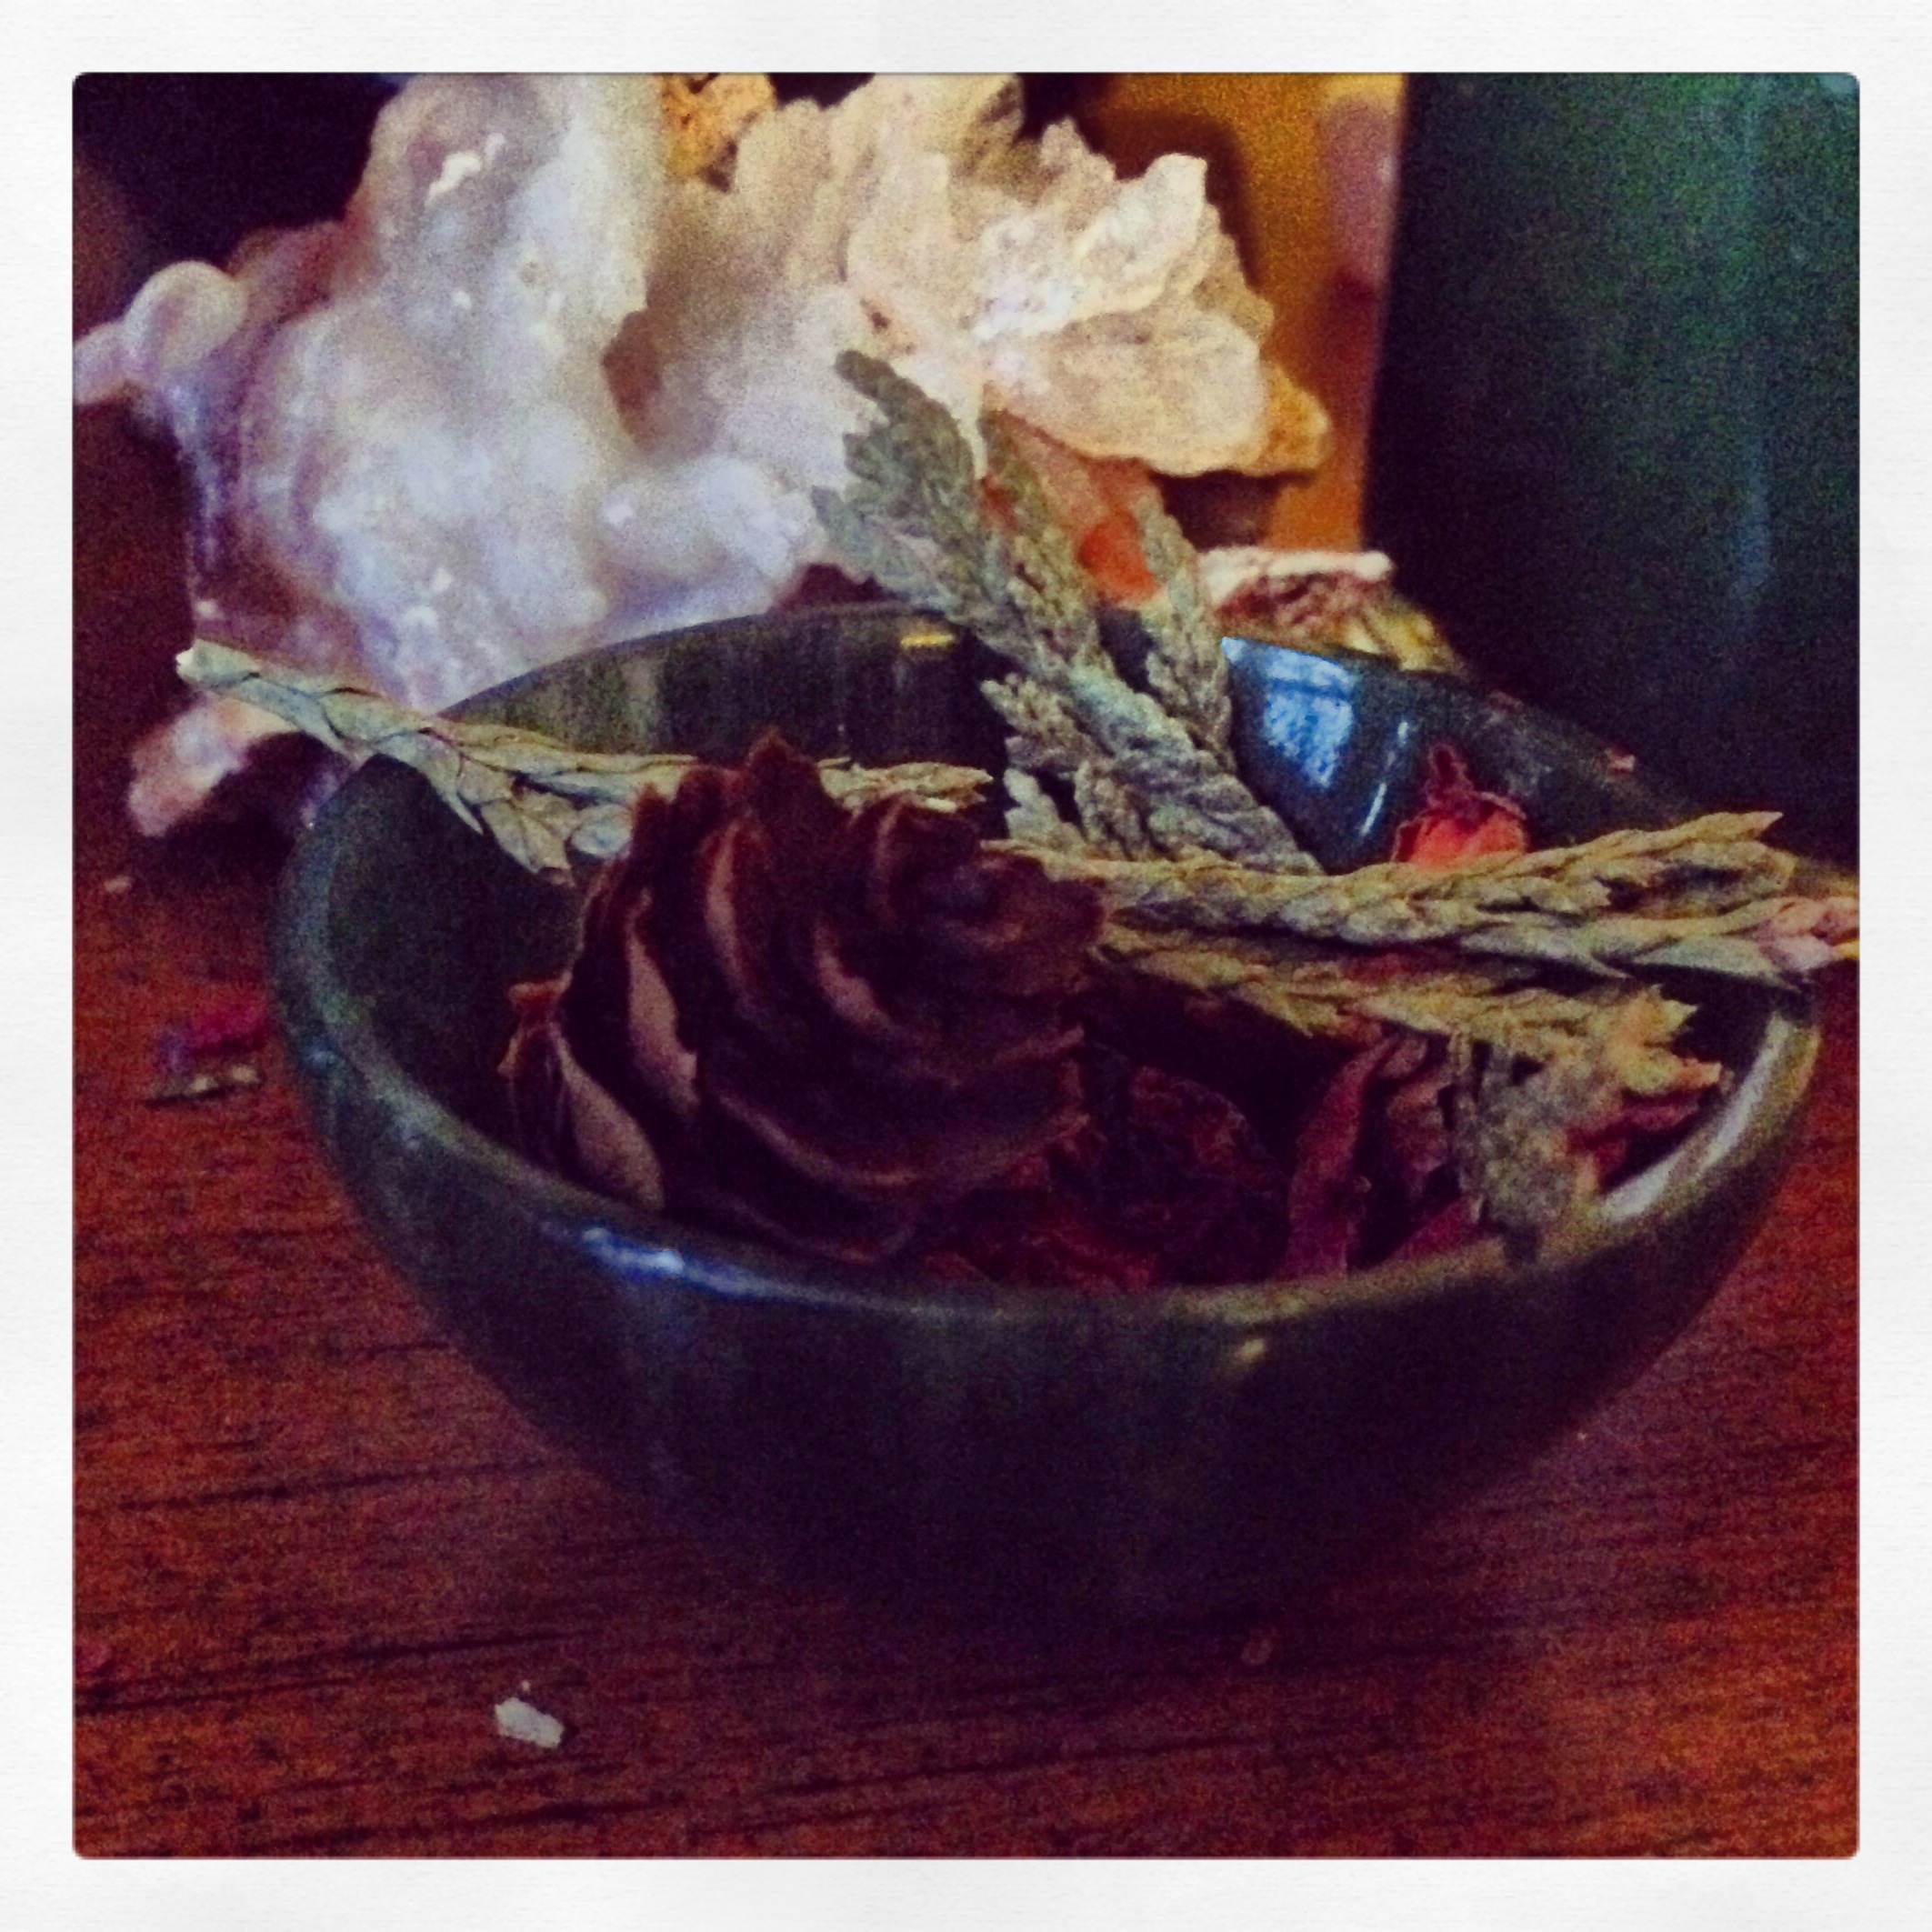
1414	1128
1328	1190
1187	1177
1111	555
1452	1226
1458	822
1042	1237
230	1020
1608	1146
1094	499
1164	1183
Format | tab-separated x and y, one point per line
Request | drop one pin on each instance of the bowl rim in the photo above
1758	1109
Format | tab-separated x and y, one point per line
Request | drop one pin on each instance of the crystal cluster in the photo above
563	370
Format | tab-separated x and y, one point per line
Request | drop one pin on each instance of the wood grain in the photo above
313	1548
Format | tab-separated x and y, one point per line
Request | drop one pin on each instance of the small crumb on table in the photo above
527	1724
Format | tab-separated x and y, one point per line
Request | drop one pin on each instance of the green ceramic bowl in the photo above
1171	1454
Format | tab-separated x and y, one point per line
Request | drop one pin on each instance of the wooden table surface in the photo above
314	1547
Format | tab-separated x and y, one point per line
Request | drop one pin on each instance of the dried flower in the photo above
1325	599
1458	821
1168	1181
810	1025
1328	1196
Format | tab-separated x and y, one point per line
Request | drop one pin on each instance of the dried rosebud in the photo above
1458	821
805	1025
1328	1190
1168	1183
1183	1175
1377	1148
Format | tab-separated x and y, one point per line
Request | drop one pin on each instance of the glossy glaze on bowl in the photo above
1167	1454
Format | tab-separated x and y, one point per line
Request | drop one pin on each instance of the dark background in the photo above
203	158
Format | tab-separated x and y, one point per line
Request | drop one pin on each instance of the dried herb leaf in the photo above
1347	998
1706	896
915	519
1533	1143
540	800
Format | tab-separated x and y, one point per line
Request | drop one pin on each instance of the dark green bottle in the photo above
1614	445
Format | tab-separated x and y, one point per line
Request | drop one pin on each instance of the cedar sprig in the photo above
1186	667
1512	1138
1706	895
1522	1126
1047	739
1350	998
1048	581
542	801
1032	819
915	519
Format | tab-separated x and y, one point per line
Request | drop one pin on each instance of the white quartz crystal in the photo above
533	393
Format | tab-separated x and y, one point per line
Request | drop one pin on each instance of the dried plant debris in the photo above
196	1057
1328	1196
1500	1050
204	1083
543	802
1533	1142
1143	1040
1706	896
1327	599
994	560
1165	1182
870	1037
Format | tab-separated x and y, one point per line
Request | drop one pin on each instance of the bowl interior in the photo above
1337	744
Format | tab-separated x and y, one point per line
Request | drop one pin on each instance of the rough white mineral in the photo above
540	387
